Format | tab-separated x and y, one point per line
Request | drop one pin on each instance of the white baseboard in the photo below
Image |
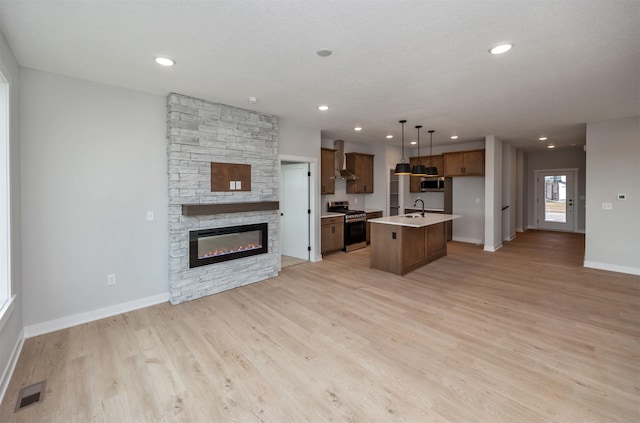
90	316
510	237
612	267
11	366
493	249
468	240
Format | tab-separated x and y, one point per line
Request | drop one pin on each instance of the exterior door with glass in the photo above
555	198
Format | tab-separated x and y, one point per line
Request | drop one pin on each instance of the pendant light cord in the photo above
402	122
431	146
418	128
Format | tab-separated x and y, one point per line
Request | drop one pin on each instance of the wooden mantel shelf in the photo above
221	208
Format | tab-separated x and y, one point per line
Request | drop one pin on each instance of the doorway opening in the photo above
296	212
556	194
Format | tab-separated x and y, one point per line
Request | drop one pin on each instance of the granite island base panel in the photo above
402	244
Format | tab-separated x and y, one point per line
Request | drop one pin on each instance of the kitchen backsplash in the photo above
432	200
356	201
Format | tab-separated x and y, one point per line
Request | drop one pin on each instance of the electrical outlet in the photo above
607	206
111	279
150	215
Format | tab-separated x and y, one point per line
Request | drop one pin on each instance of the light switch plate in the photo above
232	185
238	184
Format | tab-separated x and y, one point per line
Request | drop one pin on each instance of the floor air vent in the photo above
30	395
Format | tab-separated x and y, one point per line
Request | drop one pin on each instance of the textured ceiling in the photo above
425	61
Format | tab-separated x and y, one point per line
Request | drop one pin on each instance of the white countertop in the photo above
331	214
372	210
417	221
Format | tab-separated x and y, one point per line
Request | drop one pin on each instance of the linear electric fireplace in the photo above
221	244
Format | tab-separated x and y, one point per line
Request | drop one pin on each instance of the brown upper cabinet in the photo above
360	165
414	181
464	163
327	171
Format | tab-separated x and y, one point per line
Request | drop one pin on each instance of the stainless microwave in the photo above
431	184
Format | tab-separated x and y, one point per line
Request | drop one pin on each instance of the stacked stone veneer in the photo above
201	132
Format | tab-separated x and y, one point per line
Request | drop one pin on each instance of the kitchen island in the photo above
402	244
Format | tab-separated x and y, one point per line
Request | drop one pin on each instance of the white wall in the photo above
561	159
11	325
493	194
613	167
509	182
297	140
93	163
522	204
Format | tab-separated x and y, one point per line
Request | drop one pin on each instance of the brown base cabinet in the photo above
331	234
464	163
403	249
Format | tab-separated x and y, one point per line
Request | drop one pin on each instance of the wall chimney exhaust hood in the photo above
341	163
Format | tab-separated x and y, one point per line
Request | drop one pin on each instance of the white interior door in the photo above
294	206
555	198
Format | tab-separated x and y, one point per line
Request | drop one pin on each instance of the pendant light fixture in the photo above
431	169
419	169
403	168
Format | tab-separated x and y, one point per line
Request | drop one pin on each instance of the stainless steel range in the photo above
355	225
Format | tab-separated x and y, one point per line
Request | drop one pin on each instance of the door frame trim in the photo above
314	200
536	197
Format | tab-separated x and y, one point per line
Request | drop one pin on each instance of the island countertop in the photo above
414	220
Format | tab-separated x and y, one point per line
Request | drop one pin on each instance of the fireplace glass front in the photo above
221	244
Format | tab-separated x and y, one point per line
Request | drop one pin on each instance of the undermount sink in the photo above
412	215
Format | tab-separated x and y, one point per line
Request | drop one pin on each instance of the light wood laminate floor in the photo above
521	335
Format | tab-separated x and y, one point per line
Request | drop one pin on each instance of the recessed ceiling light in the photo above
551	146
323	108
542	138
502	48
324	52
357	128
165	61
389	136
252	100
454	137
414	142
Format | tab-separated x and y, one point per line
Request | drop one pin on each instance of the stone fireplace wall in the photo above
201	132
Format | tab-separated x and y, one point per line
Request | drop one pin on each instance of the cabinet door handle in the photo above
333	229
